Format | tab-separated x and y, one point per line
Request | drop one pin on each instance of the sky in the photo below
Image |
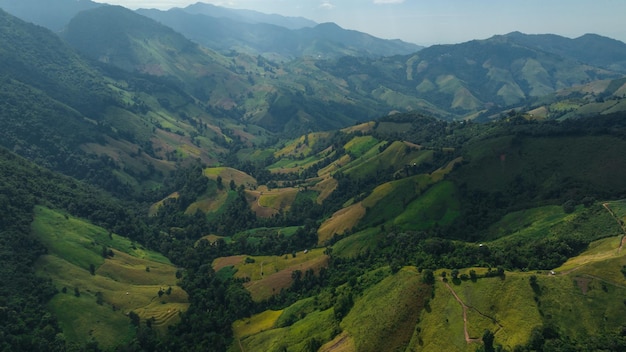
428	22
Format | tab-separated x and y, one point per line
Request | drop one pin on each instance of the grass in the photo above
359	145
278	199
357	243
389	200
229	174
384	317
579	314
551	223
256	323
437	206
269	274
87	321
395	156
341	222
319	325
532	222
509	301
128	281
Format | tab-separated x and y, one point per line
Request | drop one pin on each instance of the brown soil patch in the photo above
341	221
342	343
326	188
364	127
223	262
583	284
272	284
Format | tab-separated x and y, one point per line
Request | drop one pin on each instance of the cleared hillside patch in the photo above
384	318
340	222
229	174
437	206
269	274
318	326
101	278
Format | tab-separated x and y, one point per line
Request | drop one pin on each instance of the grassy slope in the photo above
384	318
320	325
123	280
269	274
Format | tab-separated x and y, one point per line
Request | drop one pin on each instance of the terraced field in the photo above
101	277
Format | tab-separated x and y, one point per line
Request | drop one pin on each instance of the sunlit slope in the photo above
407	202
267	275
385	315
581	298
106	276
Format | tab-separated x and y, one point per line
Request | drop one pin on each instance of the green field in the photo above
384	317
96	289
437	206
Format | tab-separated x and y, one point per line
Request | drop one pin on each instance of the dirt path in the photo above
620	223
468	339
240	345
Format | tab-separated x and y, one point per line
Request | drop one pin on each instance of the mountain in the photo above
95	122
584	49
52	15
466	80
403	232
271	39
476	79
248	16
251	89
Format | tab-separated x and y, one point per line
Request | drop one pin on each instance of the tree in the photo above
473	275
92	269
134	318
428	276
488	338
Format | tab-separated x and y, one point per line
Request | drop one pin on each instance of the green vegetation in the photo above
212	214
111	276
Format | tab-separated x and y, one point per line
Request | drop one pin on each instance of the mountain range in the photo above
205	25
160	194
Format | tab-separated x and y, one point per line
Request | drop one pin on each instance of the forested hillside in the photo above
156	195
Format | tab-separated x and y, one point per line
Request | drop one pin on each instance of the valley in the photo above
169	183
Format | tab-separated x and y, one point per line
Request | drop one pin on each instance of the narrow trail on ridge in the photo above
620	223
465	307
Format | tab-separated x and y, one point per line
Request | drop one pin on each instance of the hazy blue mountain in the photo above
52	14
590	48
479	76
273	40
249	16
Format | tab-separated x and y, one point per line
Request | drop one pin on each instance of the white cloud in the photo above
327	5
379	2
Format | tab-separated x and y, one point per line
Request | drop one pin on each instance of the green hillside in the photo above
102	277
167	197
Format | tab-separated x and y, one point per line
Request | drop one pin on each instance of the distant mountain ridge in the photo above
589	48
41	12
276	37
248	16
475	79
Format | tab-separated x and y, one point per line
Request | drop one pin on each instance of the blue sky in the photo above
428	22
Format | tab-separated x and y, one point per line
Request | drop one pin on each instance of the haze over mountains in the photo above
173	180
